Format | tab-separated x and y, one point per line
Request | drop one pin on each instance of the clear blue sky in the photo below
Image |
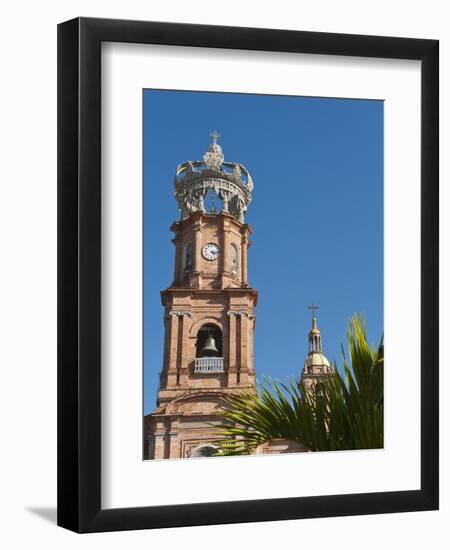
317	214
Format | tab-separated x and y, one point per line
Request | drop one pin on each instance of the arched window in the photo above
187	258
234	259
209	341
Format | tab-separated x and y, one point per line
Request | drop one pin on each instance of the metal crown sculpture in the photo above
229	181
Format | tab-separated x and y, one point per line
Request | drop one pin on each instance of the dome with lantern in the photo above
316	363
229	182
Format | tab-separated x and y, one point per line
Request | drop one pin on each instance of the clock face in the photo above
211	251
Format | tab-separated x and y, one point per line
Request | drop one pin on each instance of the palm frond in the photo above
347	412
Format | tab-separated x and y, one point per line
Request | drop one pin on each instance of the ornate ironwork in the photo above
229	181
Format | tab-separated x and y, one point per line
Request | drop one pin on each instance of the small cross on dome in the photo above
313	307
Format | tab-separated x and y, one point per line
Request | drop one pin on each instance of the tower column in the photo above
225	256
173	350
161	439
174	443
250	364
197	252
232	347
243	367
244	248
177	275
184	365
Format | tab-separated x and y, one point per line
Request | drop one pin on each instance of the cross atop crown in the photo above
214	136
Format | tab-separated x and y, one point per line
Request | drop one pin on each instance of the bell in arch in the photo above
210	348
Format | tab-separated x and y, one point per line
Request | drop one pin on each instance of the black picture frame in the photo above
79	274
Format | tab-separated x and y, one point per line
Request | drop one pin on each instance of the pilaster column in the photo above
168	335
243	327
232	346
197	252
243	366
250	349
171	366
185	349
161	441
178	258
244	250
224	268
225	247
176	347
174	446
149	447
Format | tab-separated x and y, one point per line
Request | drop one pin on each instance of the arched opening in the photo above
212	201
204	450
209	341
315	343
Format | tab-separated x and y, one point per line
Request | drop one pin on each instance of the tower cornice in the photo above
200	217
207	292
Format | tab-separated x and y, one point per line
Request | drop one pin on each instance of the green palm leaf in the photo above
347	412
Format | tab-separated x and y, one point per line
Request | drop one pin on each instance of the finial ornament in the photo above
229	182
214	136
315	340
313	307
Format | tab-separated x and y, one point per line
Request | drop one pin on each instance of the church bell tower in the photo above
209	308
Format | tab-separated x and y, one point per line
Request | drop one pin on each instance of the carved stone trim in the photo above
240	313
174	313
